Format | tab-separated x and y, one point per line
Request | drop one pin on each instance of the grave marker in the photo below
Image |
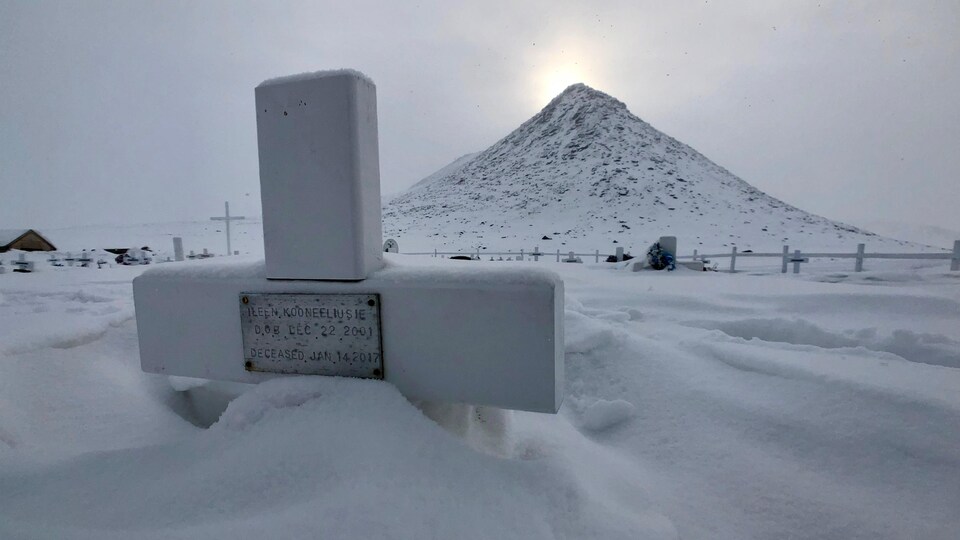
571	258
796	260
669	244
178	248
226	218
322	303
22	265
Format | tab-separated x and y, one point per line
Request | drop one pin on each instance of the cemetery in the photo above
301	374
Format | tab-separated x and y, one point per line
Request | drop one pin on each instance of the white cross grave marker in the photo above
227	218
22	264
324	302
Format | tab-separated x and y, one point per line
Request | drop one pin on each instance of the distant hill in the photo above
930	235
585	172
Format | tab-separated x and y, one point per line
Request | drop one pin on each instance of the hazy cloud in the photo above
143	111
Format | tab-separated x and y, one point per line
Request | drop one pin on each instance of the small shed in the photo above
23	239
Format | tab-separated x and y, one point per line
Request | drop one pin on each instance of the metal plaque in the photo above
312	334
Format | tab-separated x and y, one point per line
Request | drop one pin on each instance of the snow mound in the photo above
923	347
360	457
604	414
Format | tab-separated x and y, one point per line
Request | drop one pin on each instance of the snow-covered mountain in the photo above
586	173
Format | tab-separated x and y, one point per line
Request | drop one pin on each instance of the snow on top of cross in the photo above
315	75
395	267
585	172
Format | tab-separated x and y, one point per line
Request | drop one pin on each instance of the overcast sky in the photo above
132	112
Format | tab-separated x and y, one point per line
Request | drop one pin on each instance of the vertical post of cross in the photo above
226	214
596	255
733	260
320	171
858	267
558	255
955	261
536	254
786	259
797	259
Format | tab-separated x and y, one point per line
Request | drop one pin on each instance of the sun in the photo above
556	79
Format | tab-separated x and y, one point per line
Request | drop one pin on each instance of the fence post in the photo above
434	253
558	255
596	256
733	260
536	254
521	255
694	255
786	257
955	262
619	254
796	261
859	266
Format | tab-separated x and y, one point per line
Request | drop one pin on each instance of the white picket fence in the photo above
796	258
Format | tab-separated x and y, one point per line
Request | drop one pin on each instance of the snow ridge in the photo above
586	172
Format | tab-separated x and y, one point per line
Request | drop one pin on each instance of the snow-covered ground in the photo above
699	405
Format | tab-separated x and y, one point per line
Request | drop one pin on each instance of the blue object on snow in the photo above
658	258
